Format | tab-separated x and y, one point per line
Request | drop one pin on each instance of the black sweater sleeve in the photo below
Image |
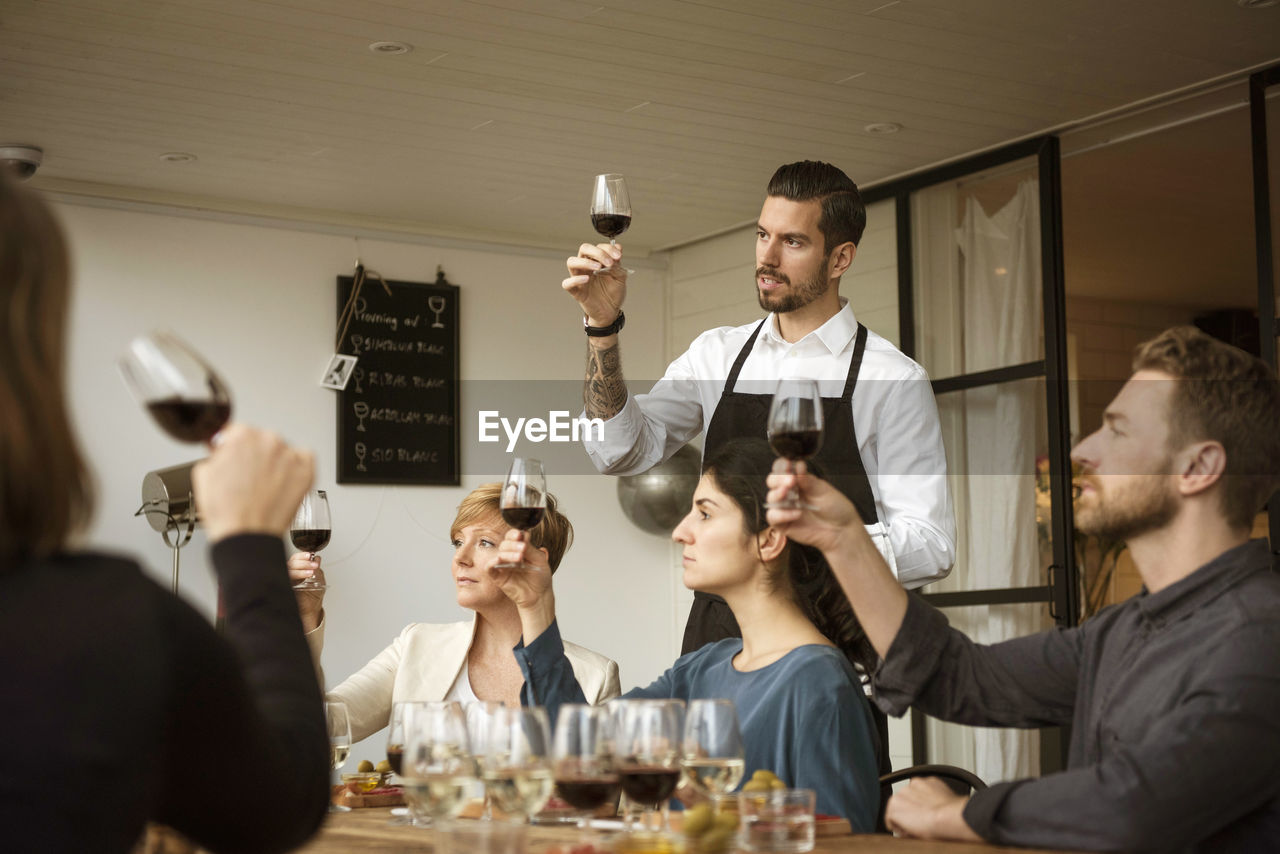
247	758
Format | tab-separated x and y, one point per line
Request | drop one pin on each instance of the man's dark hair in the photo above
843	215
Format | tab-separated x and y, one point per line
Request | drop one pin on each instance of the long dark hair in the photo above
739	469
45	493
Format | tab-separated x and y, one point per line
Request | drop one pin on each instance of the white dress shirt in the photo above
894	415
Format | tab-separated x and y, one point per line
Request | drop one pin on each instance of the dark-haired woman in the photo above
115	690
800	705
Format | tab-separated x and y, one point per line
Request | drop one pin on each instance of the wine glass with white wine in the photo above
339	723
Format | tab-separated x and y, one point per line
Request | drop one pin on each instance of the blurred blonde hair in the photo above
553	533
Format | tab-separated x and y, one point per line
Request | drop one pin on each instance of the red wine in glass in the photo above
587	793
395	756
524	518
795	425
649	785
796	444
524	497
190	420
310	539
310	530
185	396
610	225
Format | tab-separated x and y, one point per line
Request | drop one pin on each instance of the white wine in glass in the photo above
339	723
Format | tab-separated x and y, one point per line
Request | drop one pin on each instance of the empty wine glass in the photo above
339	723
439	770
524	498
611	207
586	777
515	760
795	425
184	395
310	531
712	752
481	719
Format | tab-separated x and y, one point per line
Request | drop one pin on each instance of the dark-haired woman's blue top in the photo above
804	717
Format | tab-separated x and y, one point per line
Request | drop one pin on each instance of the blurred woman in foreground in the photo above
799	701
121	704
464	661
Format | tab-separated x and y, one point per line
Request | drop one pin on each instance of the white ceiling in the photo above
492	126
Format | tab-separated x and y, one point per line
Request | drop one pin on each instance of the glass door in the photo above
1264	111
981	308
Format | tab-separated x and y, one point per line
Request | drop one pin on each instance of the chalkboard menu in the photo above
398	416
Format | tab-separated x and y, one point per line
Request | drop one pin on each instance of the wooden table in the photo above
367	830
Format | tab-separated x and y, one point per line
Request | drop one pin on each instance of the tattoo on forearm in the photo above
604	392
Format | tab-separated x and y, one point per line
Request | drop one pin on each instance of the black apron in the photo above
742	414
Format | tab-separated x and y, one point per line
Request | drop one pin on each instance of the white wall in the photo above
259	302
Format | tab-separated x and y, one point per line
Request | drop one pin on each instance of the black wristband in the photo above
603	331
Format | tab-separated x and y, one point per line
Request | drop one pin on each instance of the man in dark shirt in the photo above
1174	695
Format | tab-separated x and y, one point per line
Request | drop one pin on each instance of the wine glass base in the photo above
338	808
310	585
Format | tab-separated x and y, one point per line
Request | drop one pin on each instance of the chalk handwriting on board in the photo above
398	417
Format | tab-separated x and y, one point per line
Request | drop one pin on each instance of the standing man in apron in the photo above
882	443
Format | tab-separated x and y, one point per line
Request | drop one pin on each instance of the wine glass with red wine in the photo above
310	531
182	392
795	425
648	745
611	207
583	760
524	497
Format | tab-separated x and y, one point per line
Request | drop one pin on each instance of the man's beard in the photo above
1140	505
793	298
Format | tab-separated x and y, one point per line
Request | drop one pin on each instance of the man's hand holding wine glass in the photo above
598	281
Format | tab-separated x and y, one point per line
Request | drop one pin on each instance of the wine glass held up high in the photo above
179	388
611	207
795	425
310	531
524	497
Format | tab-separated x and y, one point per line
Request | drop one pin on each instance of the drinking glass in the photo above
439	771
795	425
184	395
648	747
335	714
585	774
712	753
310	531
481	719
395	746
524	498
611	207
516	760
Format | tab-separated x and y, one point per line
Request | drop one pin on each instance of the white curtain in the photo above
979	302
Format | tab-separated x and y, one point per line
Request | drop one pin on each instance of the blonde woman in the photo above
469	660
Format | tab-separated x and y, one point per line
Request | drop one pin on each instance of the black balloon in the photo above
657	500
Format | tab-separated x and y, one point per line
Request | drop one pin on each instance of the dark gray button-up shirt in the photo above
1173	699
